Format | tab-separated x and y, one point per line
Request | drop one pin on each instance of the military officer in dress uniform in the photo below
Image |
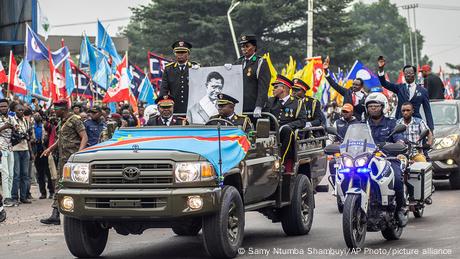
290	113
256	76
226	108
312	106
166	116
175	76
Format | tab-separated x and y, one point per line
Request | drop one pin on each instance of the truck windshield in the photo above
358	140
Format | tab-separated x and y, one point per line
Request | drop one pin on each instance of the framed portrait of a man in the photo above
205	84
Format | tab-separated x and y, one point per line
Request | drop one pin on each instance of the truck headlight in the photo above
194	171
76	172
447	142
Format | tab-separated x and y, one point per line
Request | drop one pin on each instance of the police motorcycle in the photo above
418	177
364	183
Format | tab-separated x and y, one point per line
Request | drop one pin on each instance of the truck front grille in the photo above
151	174
120	202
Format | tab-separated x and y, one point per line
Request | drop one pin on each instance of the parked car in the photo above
445	154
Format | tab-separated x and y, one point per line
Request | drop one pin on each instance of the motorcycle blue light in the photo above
344	170
363	170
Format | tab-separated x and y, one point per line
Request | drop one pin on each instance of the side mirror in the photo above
263	128
332	149
332	131
400	128
424	134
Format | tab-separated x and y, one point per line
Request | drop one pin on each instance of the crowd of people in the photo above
44	138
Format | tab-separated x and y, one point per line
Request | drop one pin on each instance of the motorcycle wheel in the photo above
354	222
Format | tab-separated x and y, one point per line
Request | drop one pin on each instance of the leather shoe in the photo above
43	196
25	201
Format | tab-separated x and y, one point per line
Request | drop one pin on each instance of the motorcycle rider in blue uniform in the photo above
381	127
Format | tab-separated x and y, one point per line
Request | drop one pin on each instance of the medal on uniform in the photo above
249	71
292	115
286	110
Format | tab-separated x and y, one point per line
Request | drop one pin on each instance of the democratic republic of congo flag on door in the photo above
201	141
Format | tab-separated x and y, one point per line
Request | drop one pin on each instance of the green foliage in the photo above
363	32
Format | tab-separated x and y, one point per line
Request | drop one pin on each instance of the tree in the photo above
384	32
279	24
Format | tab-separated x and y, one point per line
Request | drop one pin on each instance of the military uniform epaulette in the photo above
170	64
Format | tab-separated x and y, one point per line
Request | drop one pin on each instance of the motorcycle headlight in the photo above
76	172
360	162
194	171
347	162
447	142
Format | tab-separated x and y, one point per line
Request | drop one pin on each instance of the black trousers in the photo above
287	143
43	174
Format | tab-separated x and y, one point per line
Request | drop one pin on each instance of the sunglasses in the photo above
406	110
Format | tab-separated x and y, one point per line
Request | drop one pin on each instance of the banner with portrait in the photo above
206	83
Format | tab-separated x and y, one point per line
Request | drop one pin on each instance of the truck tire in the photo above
223	231
297	218
189	227
454	180
84	239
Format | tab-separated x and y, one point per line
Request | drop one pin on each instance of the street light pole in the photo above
415	37
230	23
407	7
310	29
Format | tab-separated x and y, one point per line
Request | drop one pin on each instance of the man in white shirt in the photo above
7	156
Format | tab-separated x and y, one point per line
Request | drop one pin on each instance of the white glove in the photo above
307	124
195	66
257	112
228	66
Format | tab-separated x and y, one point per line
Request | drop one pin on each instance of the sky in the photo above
438	26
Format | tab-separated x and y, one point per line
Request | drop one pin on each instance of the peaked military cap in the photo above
61	103
165	101
299	83
226	99
280	79
245	38
181	45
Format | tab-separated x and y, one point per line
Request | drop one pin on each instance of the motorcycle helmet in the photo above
379	98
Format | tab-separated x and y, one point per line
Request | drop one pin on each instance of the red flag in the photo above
52	86
15	84
401	79
45	88
3	77
121	91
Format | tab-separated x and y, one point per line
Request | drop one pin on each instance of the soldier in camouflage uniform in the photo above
226	108
71	138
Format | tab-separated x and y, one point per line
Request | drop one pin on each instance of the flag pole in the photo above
9	76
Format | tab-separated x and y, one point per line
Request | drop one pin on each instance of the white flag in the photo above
43	26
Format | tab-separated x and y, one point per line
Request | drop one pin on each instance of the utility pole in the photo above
415	36
408	7
404	54
230	23
310	29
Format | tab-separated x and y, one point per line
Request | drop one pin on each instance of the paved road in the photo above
22	236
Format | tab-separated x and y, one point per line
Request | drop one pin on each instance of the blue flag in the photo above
36	87
360	71
35	49
146	92
92	61
26	74
69	82
104	41
103	74
137	77
84	58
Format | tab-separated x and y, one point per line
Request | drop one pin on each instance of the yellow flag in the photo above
273	73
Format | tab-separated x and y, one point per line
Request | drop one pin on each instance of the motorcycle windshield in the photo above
358	140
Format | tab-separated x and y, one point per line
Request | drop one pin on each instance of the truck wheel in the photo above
297	218
189	227
84	238
223	231
454	180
